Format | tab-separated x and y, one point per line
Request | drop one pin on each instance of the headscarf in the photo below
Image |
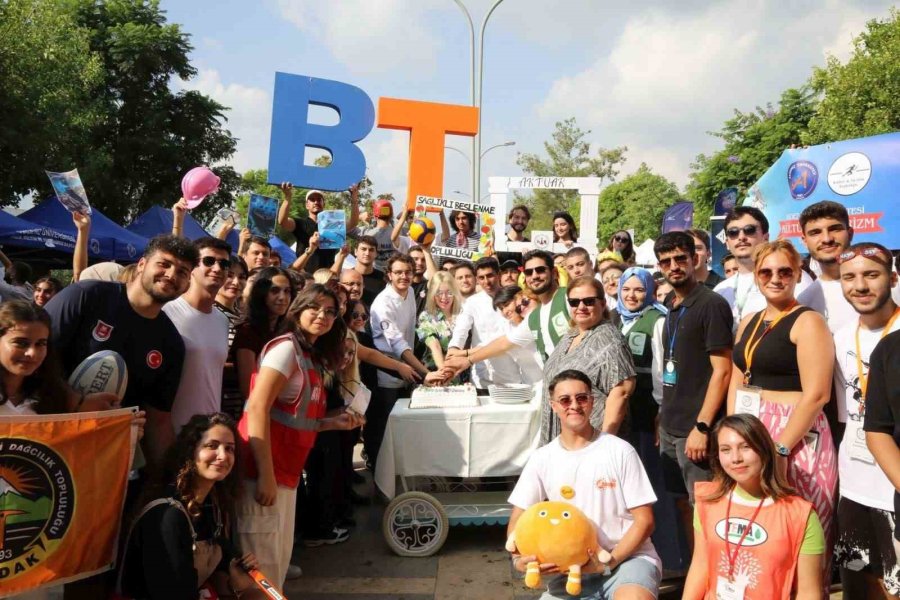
649	300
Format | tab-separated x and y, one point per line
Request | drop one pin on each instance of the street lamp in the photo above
465	156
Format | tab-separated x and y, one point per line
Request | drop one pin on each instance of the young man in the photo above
373	279
696	370
303	228
826	232
464	274
518	220
90	316
610	487
577	263
701	244
381	232
545	325
393	320
729	265
865	514
258	252
204	331
746	227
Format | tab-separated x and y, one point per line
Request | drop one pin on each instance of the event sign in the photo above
62	490
70	191
453	252
261	215
542	240
678	217
332	229
862	174
460	205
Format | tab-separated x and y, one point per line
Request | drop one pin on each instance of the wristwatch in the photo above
782	450
702	427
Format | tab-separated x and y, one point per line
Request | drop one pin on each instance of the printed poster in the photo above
332	229
70	191
262	214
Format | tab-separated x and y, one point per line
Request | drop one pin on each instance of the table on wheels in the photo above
492	440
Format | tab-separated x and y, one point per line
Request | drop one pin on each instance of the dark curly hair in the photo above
257	312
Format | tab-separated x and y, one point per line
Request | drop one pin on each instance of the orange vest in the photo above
767	560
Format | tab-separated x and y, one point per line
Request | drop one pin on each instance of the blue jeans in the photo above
634	571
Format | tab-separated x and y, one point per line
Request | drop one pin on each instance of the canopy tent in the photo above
644	255
108	241
158	220
19	232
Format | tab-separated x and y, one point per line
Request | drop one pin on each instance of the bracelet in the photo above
471	364
467	353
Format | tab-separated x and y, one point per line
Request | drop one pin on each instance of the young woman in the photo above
435	327
45	288
564	230
285	411
227	303
782	373
270	297
189	522
754	538
622	243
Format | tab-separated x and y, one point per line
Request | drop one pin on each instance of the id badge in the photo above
670	375
859	450
748	400
728	590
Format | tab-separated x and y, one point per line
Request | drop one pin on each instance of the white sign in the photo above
460	205
449	252
849	173
542	240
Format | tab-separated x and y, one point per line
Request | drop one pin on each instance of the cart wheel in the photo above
415	524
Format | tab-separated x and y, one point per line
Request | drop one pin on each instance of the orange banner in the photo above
62	489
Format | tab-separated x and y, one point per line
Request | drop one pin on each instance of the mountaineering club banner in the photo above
861	174
62	488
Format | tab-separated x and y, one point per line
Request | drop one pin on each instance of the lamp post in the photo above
468	160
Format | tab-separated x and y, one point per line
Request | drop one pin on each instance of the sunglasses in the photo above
538	270
620	238
580	399
209	261
765	275
590	301
360	315
734	232
871	252
679	259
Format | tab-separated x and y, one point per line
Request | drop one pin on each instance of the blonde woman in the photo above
442	303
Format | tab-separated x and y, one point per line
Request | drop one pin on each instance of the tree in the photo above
636	202
753	142
568	155
862	97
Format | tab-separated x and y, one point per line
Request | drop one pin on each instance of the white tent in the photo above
644	255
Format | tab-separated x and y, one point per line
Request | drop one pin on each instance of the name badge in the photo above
670	377
729	590
859	449
748	400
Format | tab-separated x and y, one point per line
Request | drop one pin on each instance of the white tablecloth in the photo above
491	440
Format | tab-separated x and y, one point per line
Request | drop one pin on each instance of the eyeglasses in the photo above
611	279
209	261
765	275
329	313
401	273
360	315
590	301
668	263
872	252
580	399
621	238
734	232
538	270
445	294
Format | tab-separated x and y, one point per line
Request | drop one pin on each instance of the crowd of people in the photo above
762	402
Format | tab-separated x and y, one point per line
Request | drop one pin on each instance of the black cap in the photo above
510	264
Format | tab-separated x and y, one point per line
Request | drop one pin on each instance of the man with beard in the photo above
865	514
464	275
518	220
696	370
204	331
89	316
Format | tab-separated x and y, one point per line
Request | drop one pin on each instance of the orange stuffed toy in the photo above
558	533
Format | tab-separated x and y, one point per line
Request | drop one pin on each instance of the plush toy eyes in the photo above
543	513
566	514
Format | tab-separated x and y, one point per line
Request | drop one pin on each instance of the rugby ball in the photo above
103	371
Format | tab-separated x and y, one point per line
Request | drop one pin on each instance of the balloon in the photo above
199	183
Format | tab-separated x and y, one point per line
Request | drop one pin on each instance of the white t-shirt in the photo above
744	296
283	357
205	338
479	318
860	480
521	334
8	409
608	479
838	312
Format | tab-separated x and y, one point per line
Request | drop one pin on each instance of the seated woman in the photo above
180	542
755	538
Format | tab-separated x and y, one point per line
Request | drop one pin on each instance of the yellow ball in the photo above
422	231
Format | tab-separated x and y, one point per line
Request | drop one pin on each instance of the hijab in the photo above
650	300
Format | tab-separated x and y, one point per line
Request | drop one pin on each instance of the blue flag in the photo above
679	217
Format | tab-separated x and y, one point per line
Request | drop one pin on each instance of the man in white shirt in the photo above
393	320
205	333
865	514
603	476
746	227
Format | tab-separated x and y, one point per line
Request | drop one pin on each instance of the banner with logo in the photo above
862	174
62	489
678	217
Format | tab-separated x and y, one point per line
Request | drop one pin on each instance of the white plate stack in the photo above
511	393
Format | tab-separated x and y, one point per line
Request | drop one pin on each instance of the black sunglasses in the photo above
360	315
589	301
734	232
620	238
679	259
538	270
209	261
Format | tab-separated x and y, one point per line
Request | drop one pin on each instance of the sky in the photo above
650	75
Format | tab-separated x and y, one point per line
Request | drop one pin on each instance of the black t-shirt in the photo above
713	279
90	316
304	228
883	395
373	284
700	325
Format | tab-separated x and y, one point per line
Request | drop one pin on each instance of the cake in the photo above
451	396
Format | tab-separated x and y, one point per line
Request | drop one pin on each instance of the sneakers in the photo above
335	536
294	572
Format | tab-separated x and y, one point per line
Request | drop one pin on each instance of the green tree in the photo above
753	142
636	202
862	97
568	155
48	76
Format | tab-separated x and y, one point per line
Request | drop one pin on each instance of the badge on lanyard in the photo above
748	400
670	376
729	590
859	450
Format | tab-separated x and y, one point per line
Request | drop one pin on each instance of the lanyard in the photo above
750	348
732	558
863	374
669	331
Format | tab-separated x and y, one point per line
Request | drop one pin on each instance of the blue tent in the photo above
19	232
158	220
108	240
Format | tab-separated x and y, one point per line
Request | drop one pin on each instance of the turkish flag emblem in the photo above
154	359
102	331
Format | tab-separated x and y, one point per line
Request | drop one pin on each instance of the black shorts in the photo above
866	542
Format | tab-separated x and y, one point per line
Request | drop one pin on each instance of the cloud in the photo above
249	116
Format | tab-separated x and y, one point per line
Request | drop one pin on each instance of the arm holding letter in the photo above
445	228
303	257
285	221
